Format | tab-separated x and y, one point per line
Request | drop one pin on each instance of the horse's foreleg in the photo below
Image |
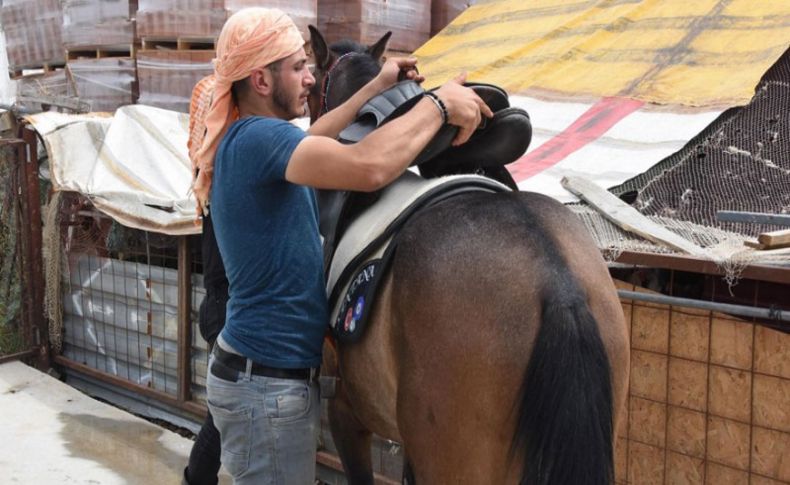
351	439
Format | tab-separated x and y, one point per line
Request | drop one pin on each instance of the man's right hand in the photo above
465	108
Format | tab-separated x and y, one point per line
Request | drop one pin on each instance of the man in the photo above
204	458
261	381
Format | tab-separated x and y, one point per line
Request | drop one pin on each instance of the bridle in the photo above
324	108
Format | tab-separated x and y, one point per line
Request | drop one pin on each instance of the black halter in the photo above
325	84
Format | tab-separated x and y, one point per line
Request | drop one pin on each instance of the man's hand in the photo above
397	69
465	109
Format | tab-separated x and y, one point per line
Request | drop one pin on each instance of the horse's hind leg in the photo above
351	439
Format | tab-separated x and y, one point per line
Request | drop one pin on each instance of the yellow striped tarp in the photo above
681	52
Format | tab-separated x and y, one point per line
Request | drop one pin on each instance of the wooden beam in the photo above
775	239
628	218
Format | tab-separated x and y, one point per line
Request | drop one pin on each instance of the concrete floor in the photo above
52	433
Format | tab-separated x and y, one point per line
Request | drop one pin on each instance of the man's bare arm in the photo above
386	152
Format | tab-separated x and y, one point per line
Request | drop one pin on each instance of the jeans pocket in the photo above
286	400
235	429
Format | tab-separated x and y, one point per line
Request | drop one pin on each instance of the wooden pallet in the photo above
179	43
100	52
17	72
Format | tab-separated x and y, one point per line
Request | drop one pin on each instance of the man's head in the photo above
279	89
251	38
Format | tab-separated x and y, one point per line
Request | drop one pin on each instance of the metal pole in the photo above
753	217
184	320
33	227
740	310
190	406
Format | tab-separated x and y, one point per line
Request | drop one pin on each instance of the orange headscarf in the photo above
251	38
198	110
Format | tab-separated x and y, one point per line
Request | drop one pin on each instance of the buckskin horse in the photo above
497	351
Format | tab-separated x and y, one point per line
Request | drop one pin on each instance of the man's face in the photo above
291	86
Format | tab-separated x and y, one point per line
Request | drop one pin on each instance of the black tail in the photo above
565	423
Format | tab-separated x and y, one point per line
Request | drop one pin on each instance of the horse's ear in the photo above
320	50
377	50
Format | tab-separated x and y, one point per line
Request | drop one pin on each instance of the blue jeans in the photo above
268	427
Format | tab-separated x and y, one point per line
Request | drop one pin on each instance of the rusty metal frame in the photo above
29	237
772	274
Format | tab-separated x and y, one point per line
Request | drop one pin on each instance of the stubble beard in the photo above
283	103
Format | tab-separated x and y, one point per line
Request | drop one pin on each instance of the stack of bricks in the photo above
97	23
708	399
171	19
365	21
99	40
178	39
445	11
168	76
33	34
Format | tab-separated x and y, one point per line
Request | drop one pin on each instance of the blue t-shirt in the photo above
267	231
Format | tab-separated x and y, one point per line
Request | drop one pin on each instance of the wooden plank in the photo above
775	239
626	217
753	244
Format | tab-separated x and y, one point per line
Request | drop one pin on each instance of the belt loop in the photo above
313	373
248	371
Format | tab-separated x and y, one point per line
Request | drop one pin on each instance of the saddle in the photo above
497	142
364	251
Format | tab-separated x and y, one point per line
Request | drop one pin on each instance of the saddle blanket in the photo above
362	255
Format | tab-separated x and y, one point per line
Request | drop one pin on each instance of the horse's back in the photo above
469	282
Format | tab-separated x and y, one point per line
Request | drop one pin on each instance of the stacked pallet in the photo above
33	34
97	23
178	43
105	83
365	21
177	19
444	11
168	76
99	39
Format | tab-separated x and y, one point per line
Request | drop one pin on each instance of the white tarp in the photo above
133	166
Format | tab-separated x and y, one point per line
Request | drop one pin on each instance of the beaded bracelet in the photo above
439	104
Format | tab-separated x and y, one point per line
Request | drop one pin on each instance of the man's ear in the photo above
261	81
380	47
320	50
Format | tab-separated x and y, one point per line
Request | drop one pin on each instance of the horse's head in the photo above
341	69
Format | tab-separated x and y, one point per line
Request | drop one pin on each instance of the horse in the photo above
497	351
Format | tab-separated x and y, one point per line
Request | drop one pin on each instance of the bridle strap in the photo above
324	108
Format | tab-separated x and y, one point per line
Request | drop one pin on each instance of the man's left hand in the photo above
398	69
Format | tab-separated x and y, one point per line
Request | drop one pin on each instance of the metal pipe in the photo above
36	243
753	217
189	406
740	310
17	356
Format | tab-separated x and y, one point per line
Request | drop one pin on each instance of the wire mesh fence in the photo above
13	338
119	300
